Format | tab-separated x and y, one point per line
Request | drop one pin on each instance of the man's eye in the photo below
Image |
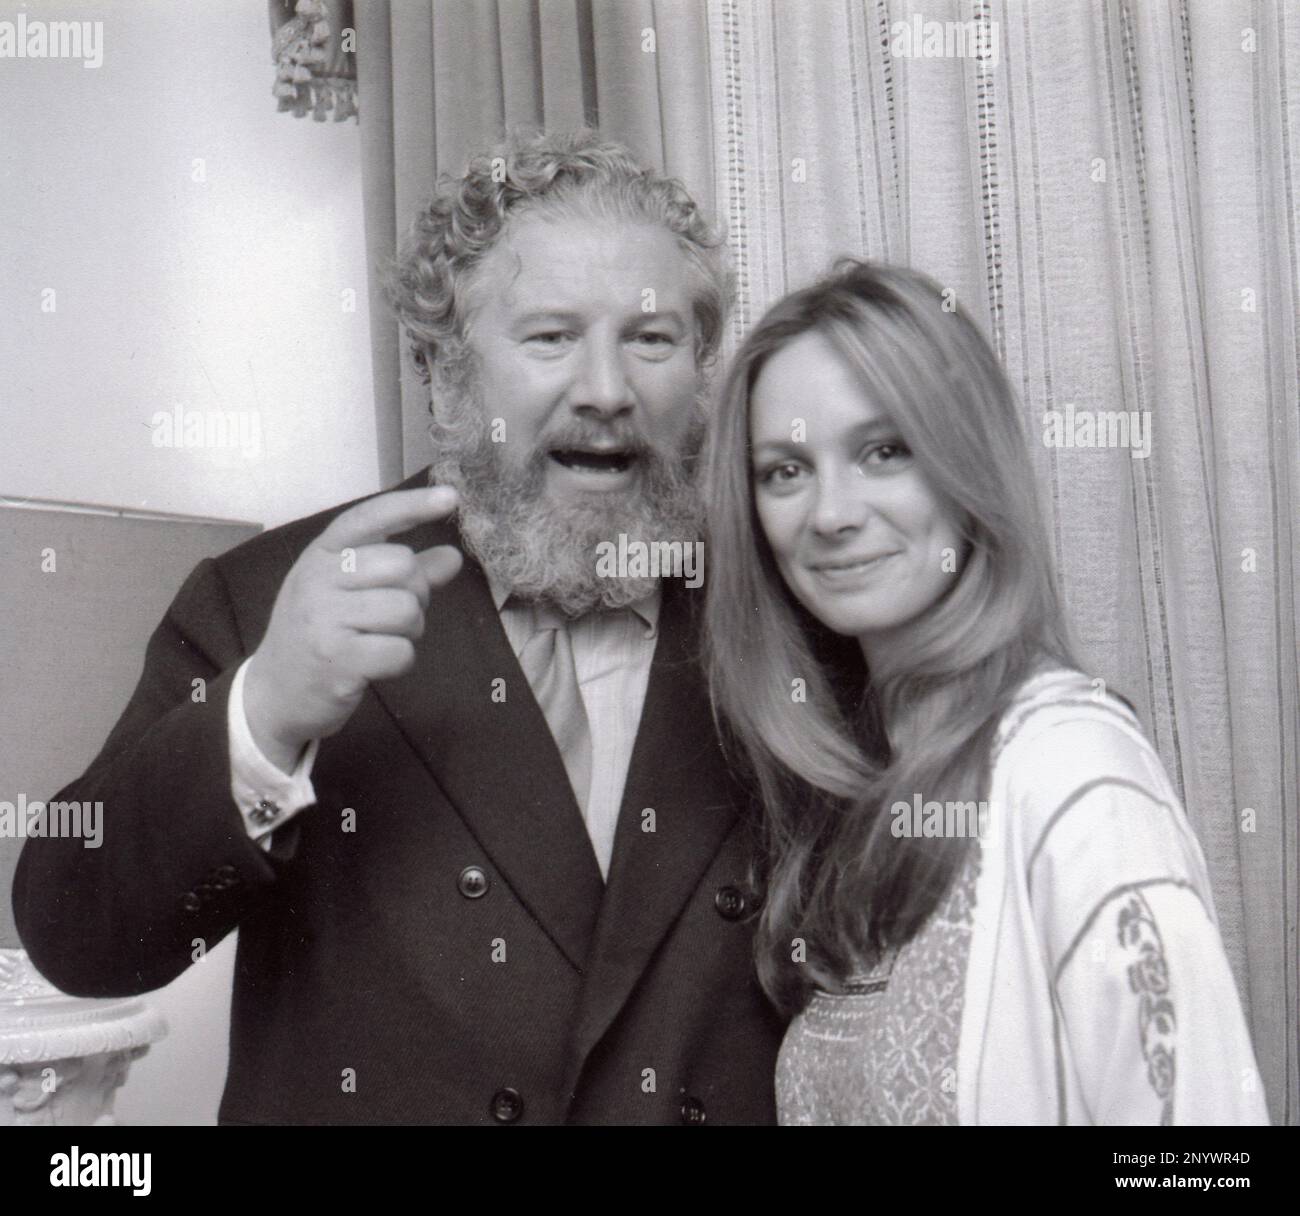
655	343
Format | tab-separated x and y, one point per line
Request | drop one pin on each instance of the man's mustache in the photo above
625	440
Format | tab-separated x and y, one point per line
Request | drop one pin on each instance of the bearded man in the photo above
460	792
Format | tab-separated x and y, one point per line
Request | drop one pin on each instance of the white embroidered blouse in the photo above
1074	974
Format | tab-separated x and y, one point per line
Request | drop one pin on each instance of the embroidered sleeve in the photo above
1139	940
1146	1025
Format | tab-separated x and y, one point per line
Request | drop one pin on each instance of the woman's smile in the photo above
845	572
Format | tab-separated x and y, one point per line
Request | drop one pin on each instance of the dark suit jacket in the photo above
360	950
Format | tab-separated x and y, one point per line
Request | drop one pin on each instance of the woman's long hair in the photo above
830	746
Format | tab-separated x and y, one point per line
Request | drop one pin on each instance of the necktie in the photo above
547	660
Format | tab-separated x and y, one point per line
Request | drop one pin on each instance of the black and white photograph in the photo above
650	562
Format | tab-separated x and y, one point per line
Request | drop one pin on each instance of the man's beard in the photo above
546	550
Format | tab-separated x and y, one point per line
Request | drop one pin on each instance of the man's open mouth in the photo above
588	460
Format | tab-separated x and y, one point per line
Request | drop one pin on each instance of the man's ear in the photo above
422	362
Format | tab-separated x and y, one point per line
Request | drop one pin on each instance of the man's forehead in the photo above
575	265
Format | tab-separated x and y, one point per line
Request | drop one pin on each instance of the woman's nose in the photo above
840	503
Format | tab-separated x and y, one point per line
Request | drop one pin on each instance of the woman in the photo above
982	900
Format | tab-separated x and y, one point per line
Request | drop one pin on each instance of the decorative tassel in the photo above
312	71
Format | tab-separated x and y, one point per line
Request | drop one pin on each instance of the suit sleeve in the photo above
175	866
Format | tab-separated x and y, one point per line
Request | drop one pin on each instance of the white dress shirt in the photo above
612	652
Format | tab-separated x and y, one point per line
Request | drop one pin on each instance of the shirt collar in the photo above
647	609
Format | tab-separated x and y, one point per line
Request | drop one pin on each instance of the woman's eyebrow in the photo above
778	446
879	425
867	429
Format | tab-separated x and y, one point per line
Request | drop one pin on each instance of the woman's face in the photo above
857	533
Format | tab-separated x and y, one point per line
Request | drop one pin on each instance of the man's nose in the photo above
602	384
840	503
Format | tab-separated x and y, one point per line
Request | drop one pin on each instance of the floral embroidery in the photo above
1148	977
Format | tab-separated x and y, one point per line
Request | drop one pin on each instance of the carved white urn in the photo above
62	1057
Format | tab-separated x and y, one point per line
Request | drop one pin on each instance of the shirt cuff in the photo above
265	795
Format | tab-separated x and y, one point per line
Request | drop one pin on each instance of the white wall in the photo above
219	295
215	295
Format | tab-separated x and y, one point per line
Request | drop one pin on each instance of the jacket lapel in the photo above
495	760
676	771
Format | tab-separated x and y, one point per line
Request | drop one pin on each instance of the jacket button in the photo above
190	902
730	903
473	884
225	877
507	1105
693	1111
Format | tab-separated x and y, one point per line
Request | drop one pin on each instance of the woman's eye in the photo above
779	474
886	453
549	337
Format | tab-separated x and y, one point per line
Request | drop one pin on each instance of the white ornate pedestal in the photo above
62	1057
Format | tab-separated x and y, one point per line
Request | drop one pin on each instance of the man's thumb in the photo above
440	564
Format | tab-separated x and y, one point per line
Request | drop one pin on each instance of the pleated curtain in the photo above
1111	189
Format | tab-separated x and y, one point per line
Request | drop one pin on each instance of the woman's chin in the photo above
848	620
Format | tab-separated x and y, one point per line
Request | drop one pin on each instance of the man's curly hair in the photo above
574	174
